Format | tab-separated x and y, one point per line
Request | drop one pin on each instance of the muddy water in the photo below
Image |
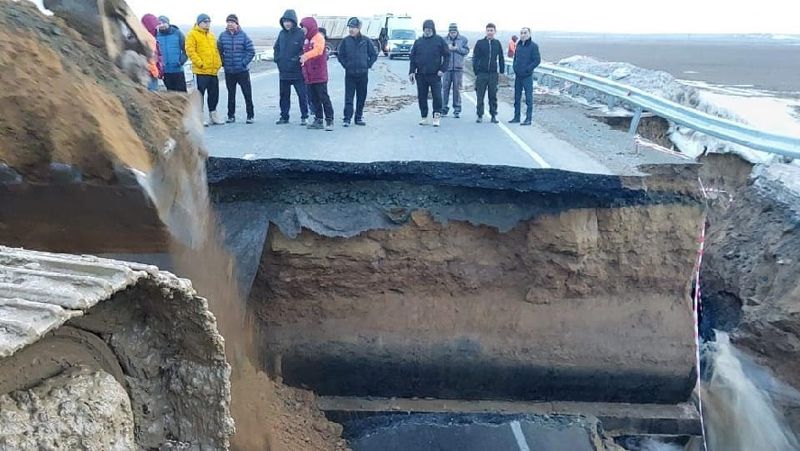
739	407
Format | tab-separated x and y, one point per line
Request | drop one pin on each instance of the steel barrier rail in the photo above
708	124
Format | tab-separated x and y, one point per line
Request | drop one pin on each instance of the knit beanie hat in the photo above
232	18
202	18
453	27
163	19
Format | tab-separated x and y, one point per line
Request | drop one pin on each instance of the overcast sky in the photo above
604	16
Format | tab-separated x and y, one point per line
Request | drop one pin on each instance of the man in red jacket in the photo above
315	72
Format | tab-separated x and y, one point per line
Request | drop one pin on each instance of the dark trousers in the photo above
322	101
311	111
484	82
523	84
355	86
429	83
175	82
242	79
210	84
286	97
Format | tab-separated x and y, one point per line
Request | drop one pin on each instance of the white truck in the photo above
394	35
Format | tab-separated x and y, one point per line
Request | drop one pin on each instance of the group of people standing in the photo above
436	66
233	52
302	59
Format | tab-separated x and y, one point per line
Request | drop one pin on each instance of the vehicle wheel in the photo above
391	57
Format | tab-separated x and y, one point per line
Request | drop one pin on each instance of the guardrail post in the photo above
637	117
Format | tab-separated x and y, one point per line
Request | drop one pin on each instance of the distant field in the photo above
773	66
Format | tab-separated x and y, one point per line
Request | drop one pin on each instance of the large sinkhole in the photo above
437	281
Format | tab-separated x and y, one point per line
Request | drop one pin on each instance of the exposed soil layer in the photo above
405	279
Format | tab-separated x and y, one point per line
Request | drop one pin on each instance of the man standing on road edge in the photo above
526	59
488	61
237	52
201	46
428	61
454	76
357	54
173	53
288	48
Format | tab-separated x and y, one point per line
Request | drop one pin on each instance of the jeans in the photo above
525	84
484	82
429	83
242	79
355	86
286	97
452	81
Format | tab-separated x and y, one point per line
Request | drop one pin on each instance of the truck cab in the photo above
400	36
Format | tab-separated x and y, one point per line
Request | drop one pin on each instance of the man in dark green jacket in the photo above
488	61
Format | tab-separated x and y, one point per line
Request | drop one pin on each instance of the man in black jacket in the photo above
526	59
429	59
488	62
288	48
357	54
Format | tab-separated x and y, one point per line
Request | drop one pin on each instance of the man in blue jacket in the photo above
526	59
173	52
357	54
237	52
288	48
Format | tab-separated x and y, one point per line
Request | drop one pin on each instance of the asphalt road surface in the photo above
392	132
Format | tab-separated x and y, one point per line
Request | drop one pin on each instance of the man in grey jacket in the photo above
454	76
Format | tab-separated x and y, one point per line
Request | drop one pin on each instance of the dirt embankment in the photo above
751	268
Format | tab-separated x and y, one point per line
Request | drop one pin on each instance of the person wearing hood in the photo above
429	60
237	52
454	75
172	45
201	46
357	54
314	62
154	64
526	59
287	49
488	62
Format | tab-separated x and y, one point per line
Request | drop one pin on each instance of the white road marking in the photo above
521	441
522	144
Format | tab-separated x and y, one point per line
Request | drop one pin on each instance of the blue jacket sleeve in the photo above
182	43
249	51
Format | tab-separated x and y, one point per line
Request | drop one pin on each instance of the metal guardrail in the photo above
708	124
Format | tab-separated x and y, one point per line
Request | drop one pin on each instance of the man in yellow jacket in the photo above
201	47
